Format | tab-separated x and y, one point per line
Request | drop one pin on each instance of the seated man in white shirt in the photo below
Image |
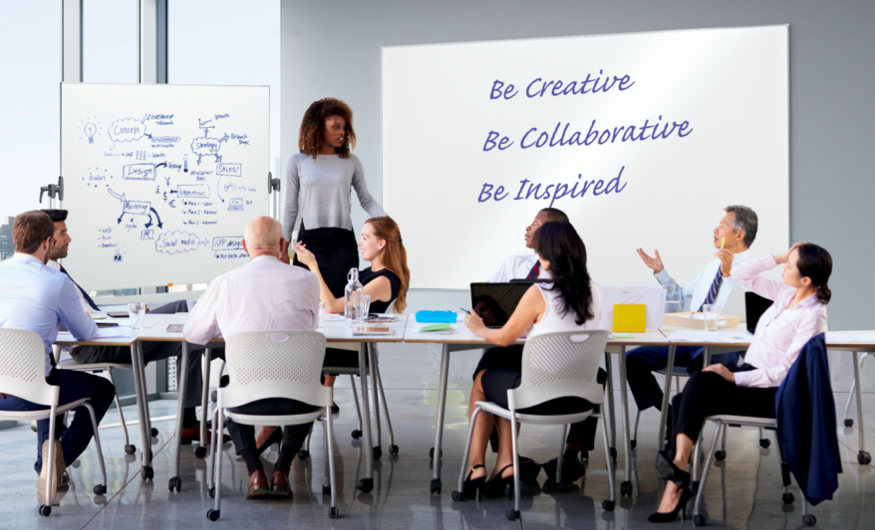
36	298
733	236
152	351
265	294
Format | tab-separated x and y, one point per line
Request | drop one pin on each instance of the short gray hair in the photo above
745	221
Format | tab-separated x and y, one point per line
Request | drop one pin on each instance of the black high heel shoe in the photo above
275	438
667	470
495	488
671	516
471	488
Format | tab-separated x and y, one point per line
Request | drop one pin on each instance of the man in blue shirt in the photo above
36	298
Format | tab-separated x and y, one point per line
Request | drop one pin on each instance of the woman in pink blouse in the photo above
797	314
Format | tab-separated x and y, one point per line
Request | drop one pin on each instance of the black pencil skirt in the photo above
336	252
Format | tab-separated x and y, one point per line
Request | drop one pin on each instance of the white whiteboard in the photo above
160	180
730	86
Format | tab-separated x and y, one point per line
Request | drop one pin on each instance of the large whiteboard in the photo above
454	133
160	180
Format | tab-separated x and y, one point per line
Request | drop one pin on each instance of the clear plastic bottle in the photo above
352	296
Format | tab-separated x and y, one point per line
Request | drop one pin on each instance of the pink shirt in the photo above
781	332
263	295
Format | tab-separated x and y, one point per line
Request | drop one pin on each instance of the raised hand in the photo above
653	263
305	256
782	258
725	256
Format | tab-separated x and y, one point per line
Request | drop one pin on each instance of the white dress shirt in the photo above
54	265
36	298
265	294
781	332
517	268
693	294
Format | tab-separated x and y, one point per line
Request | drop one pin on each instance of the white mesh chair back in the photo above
563	364
23	367
275	364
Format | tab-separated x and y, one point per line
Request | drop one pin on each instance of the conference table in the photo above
462	339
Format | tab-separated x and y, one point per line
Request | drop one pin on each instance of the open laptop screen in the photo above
495	302
754	307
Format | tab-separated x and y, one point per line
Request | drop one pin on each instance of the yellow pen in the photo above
722	242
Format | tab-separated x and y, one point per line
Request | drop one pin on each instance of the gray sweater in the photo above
324	189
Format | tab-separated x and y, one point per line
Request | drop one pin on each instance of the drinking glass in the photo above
366	306
672	306
137	314
712	316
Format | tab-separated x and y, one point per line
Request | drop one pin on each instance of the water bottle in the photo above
352	296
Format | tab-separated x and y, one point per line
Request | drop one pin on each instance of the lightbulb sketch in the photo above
90	128
90	131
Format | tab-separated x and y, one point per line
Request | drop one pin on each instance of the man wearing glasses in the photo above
35	298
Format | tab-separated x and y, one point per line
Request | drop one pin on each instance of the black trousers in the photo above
293	435
708	394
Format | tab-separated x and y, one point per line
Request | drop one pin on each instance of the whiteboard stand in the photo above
54	191
273	188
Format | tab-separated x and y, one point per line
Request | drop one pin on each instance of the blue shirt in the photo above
36	298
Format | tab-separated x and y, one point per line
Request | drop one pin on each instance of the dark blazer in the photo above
807	423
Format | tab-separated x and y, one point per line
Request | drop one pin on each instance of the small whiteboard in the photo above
160	180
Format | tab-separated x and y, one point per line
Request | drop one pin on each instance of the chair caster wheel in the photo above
130	449
863	458
435	486
694	487
849	422
787	498
303	454
431	453
99	489
45	510
614	454
213	515
765	443
333	514
456	496
154	432
200	451
626	489
356	434
563	487
378	453
366	485
608	506
326	490
512	515
809	520
720	456
393	450
633	443
699	520
175	484
212	492
147	473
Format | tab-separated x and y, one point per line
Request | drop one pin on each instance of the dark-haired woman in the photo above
797	314
570	303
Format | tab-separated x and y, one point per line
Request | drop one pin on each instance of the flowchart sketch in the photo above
135	198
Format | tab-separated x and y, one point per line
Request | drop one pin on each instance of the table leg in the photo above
366	484
378	452
626	486
862	457
175	480
610	417
145	434
663	418
205	397
439	425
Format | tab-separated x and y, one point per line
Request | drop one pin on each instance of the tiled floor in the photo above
743	492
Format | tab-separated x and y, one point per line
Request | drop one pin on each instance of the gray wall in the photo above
334	50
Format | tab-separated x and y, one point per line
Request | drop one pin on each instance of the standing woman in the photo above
321	176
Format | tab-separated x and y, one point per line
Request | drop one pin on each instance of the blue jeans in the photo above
642	362
74	386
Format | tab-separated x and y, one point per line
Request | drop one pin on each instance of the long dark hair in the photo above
816	263
558	243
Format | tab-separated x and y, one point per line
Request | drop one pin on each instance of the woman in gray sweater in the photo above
321	177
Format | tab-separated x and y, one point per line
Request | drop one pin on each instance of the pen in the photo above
465	310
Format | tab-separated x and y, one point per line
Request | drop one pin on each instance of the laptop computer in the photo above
754	307
495	302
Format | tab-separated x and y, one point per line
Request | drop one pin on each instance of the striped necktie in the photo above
715	287
535	272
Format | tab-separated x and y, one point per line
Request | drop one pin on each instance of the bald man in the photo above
265	294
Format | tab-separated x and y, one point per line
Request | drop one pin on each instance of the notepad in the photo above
436	327
630	318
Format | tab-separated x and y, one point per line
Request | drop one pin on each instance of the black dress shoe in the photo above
334	408
572	468
497	486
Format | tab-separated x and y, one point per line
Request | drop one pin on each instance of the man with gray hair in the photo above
732	238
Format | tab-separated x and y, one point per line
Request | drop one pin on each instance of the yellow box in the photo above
630	318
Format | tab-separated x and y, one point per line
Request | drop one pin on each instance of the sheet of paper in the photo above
844	339
653	296
710	336
447	330
622	336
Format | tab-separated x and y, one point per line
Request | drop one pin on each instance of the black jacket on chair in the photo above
807	423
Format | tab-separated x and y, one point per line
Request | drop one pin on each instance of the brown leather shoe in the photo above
257	485
280	485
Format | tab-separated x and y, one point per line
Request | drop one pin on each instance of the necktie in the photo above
715	287
535	272
84	294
